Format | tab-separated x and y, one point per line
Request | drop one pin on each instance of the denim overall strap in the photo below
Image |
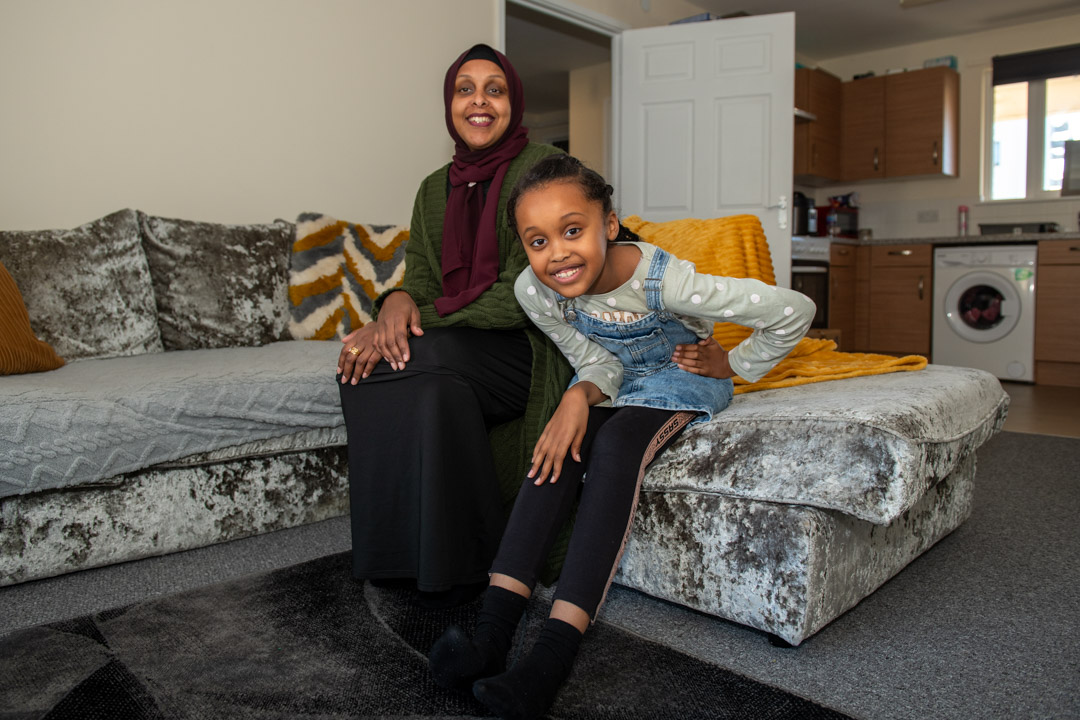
654	280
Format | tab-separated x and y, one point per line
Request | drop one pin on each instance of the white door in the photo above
706	124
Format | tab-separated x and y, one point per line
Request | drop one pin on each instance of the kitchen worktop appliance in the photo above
810	273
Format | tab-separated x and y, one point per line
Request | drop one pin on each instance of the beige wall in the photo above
891	208
225	110
590	109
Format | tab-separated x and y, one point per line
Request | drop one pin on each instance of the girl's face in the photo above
481	105
566	237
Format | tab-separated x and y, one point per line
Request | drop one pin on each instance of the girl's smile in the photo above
566	239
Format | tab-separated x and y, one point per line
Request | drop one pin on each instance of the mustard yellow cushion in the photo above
20	350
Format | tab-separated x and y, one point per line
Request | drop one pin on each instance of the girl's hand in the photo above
398	317
565	431
706	357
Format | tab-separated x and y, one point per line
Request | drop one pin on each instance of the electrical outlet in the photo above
927	216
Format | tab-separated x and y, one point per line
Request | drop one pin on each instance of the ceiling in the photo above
545	49
833	28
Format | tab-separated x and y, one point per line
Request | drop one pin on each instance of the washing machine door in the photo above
982	307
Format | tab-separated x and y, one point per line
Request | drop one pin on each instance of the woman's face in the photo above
481	105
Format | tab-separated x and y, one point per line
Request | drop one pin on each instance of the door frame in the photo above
602	25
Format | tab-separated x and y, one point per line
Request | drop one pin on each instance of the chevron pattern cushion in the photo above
337	271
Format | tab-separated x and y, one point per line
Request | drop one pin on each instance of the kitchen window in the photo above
1034	108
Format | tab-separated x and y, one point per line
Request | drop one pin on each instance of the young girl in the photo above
617	308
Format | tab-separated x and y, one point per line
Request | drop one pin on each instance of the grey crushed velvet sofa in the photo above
185	414
192	419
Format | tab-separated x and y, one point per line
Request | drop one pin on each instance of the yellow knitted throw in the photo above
735	246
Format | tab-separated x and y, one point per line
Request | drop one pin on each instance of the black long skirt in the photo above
424	497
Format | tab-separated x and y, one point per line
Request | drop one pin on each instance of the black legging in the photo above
619	444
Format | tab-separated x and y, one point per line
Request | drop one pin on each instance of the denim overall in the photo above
645	347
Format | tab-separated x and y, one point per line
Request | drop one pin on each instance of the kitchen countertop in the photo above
1003	239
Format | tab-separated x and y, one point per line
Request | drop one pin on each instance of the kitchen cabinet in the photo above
863	129
817	138
1057	295
849	293
899	125
900	299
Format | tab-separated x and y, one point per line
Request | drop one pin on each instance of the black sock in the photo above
456	661
527	690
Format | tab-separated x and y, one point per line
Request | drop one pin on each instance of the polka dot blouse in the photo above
779	317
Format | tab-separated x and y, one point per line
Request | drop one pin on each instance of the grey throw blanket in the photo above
94	419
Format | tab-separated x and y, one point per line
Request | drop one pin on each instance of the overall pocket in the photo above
648	351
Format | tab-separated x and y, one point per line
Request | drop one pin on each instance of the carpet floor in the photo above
983	625
309	641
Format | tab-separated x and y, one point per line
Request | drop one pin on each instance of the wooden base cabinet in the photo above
1057	296
901	299
849	291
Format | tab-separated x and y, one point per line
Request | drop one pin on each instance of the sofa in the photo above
186	413
189	413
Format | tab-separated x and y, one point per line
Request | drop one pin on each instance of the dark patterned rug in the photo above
309	641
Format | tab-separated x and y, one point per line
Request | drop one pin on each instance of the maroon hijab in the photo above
470	247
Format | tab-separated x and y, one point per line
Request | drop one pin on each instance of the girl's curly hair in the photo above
565	168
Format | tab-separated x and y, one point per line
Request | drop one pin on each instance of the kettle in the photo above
800	214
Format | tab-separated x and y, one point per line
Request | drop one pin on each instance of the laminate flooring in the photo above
1043	409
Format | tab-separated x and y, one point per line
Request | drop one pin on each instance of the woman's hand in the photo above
398	317
386	338
565	431
358	354
705	357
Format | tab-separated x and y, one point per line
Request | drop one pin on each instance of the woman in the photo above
447	391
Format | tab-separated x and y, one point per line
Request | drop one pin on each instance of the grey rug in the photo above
309	641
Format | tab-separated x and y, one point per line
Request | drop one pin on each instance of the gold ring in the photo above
354	350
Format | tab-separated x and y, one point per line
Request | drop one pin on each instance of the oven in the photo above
810	273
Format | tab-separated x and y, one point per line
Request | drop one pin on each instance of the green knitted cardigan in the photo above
495	309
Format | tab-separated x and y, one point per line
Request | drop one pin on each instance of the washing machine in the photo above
984	309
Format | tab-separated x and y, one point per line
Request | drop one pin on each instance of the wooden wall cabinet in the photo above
1057	296
817	141
863	129
900	299
901	125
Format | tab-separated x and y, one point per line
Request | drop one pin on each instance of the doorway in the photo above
566	71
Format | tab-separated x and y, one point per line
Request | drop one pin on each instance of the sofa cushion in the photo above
869	447
218	285
337	271
92	420
20	350
87	290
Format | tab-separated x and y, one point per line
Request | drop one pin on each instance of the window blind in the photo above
1037	65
